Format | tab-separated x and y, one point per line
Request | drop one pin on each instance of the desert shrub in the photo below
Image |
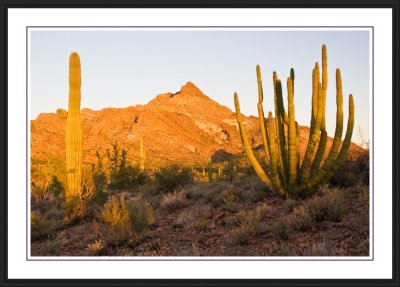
328	206
262	211
96	248
149	187
353	171
248	229
51	166
183	219
249	224
230	198
300	219
213	192
40	227
40	188
173	176
201	224
52	247
140	214
76	207
122	175
234	220
114	212
194	192
173	201
56	187
258	195
363	195
99	178
127	177
281	228
289	204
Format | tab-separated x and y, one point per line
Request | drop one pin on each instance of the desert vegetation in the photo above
282	200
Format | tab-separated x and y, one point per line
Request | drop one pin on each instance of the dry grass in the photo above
173	201
328	206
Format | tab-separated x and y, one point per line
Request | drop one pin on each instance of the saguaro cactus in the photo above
210	170
74	136
142	155
285	174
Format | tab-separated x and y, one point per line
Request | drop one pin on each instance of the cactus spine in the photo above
286	175
74	135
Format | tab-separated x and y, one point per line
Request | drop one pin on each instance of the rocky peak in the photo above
190	89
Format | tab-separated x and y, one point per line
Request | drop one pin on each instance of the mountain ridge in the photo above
186	127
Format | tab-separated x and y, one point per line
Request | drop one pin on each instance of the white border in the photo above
20	18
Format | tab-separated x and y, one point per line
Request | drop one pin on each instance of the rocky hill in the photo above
186	127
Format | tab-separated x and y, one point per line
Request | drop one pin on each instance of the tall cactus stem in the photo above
312	141
272	150
292	150
248	150
74	136
281	135
261	112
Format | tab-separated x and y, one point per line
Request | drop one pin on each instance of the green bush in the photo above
353	171
248	229
281	228
300	219
328	206
173	176
122	175
114	212
140	214
41	228
201	224
289	204
234	220
231	198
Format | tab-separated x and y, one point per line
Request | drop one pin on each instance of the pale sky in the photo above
125	68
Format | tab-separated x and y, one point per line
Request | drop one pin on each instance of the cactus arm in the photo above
277	122
74	135
339	128
315	98
324	177
324	68
324	84
261	114
292	78
273	153
312	141
346	143
298	147
247	148
319	154
292	138
281	107
281	135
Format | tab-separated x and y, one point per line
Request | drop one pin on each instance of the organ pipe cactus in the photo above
285	174
74	136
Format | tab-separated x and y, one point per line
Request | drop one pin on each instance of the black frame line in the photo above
394	5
